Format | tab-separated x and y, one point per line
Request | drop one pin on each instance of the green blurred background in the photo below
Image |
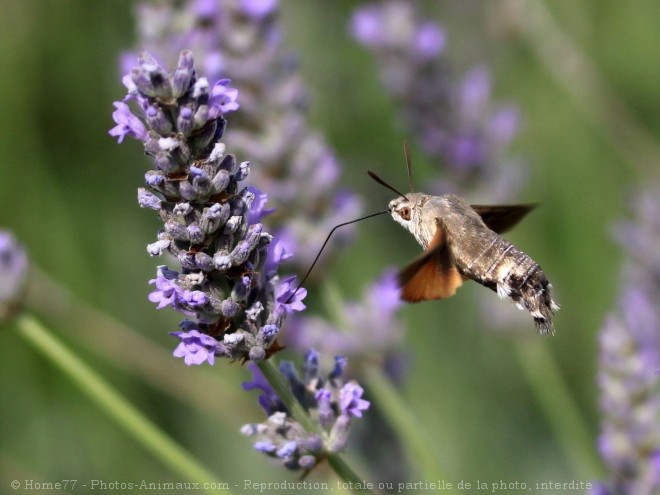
68	191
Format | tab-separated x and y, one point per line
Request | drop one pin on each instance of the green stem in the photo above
546	382
113	404
408	427
123	348
281	386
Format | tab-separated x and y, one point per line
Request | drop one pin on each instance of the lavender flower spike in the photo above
630	357
242	39
329	401
630	399
453	119
13	273
212	226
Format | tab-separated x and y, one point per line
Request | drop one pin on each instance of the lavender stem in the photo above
113	404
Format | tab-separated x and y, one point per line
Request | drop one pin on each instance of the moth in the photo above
462	241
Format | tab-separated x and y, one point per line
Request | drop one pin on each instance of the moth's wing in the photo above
433	275
500	218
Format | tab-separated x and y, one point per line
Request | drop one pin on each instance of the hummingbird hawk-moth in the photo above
462	241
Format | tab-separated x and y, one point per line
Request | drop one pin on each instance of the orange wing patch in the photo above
433	275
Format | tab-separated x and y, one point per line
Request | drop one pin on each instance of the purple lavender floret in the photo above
168	292
195	347
351	401
13	274
211	224
329	401
127	124
288	298
453	120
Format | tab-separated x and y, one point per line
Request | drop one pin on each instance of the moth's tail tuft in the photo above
537	298
532	292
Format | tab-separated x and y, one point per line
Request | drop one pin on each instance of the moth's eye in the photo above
405	213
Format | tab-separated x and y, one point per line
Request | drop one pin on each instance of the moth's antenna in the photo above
383	183
326	242
406	152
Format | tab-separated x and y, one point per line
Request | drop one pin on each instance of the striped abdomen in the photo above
511	273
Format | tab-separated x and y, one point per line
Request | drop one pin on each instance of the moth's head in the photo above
406	209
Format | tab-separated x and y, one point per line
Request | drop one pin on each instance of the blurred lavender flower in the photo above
630	356
241	39
454	122
330	402
13	273
372	320
234	306
641	238
453	119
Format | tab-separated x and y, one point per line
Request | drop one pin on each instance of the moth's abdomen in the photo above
511	273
